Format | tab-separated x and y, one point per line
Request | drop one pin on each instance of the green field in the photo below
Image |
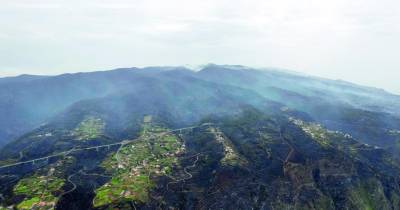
89	128
152	154
38	191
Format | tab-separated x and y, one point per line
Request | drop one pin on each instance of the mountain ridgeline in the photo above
223	137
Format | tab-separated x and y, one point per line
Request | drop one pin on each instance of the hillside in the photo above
229	137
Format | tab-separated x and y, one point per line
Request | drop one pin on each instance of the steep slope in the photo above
271	81
175	102
227	137
369	114
28	101
247	161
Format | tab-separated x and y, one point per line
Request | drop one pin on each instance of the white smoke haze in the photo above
354	40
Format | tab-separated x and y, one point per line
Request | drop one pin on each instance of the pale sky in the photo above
353	40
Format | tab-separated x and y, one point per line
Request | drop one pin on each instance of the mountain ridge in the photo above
164	137
232	67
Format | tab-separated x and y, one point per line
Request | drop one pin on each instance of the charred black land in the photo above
224	137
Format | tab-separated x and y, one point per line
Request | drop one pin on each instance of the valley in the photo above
177	139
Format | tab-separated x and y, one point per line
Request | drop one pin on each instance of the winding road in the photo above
73	184
185	170
95	174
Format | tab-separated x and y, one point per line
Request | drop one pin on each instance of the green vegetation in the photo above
395	199
319	202
124	188
315	131
29	204
38	191
8	161
231	156
153	154
396	135
89	128
369	196
246	155
41	189
147	119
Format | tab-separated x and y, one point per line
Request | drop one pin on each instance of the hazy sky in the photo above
354	40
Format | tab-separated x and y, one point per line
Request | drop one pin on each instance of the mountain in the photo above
230	137
371	115
21	78
26	104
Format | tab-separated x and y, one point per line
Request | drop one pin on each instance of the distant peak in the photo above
20	78
165	68
225	67
24	76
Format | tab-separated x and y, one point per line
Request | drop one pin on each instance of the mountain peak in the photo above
212	66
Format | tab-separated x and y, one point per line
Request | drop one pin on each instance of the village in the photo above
154	153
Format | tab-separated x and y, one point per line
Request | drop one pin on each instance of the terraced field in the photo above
43	189
153	154
89	128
